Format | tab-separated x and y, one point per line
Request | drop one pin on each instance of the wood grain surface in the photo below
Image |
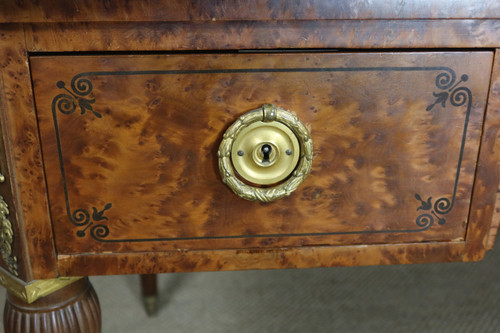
286	258
145	36
24	188
227	10
131	161
137	155
487	205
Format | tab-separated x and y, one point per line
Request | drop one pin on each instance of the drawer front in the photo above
130	148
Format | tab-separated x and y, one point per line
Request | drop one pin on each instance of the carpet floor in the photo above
456	297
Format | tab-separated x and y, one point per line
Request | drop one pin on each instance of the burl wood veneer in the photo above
131	165
112	114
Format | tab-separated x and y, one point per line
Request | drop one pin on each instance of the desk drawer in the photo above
130	148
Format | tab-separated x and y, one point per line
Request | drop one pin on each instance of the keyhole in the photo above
266	153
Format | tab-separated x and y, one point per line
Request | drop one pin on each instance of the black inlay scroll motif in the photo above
81	217
81	87
457	96
67	103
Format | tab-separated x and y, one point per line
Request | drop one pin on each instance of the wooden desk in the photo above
115	159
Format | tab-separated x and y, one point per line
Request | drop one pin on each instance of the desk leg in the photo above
149	285
74	308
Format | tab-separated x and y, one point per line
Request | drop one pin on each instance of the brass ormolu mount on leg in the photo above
31	291
73	308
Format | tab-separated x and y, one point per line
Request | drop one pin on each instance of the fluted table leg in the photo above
74	308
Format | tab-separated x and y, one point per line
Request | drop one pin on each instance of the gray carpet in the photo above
462	297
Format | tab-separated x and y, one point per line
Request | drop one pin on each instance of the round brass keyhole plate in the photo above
259	152
284	147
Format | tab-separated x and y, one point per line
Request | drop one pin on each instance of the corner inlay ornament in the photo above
6	238
457	96
67	103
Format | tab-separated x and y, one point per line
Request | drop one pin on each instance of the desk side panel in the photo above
28	205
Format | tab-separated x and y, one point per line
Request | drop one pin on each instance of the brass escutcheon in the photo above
268	147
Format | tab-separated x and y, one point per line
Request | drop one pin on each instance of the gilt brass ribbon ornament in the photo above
267	113
6	238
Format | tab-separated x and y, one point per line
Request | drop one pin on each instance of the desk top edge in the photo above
56	11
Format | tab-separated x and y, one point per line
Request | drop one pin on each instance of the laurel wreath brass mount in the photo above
268	147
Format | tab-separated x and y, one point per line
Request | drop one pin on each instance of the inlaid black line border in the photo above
81	86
